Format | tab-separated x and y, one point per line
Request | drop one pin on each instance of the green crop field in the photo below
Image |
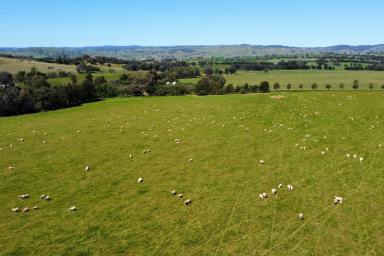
302	137
307	78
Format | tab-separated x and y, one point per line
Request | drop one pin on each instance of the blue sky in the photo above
186	22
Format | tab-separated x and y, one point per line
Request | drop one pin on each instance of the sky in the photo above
74	23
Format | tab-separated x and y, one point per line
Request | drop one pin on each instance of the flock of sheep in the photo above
262	196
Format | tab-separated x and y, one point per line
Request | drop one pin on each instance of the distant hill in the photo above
184	52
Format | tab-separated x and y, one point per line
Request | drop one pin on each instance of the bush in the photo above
355	84
264	87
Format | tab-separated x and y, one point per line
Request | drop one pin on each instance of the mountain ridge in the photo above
186	51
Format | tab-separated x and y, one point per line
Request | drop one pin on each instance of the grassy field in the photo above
13	65
307	78
226	136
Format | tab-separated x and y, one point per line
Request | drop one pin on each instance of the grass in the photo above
307	78
13	65
118	216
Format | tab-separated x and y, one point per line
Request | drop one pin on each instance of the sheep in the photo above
188	202
354	156
45	142
173	83
87	168
72	209
280	185
180	195
26	209
177	141
290	187
173	192
78	131
348	155
16	209
45	197
274	191
190	160
130	156
11	168
265	195
261	196
140	180
338	200
35	207
262	162
301	216
23	197
361	159
322	153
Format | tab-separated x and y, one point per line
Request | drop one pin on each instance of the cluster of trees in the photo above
214	84
359	66
262	66
33	93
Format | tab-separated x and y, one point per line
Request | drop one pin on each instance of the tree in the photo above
371	86
301	86
289	86
6	79
100	80
276	86
74	79
208	70
229	89
20	76
88	91
210	85
314	86
328	86
264	87
382	87
355	84
341	86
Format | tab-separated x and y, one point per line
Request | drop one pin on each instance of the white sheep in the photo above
177	141
301	216
173	192
261	196
130	156
290	187
265	195
190	160
26	209
188	202
140	180
274	191
23	197
35	207
180	195
262	162
45	197
72	209
348	155
338	200
361	159
280	185
16	209
11	168
87	168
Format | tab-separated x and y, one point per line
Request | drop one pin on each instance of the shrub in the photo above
264	87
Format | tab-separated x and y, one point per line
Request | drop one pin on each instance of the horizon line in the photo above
191	45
